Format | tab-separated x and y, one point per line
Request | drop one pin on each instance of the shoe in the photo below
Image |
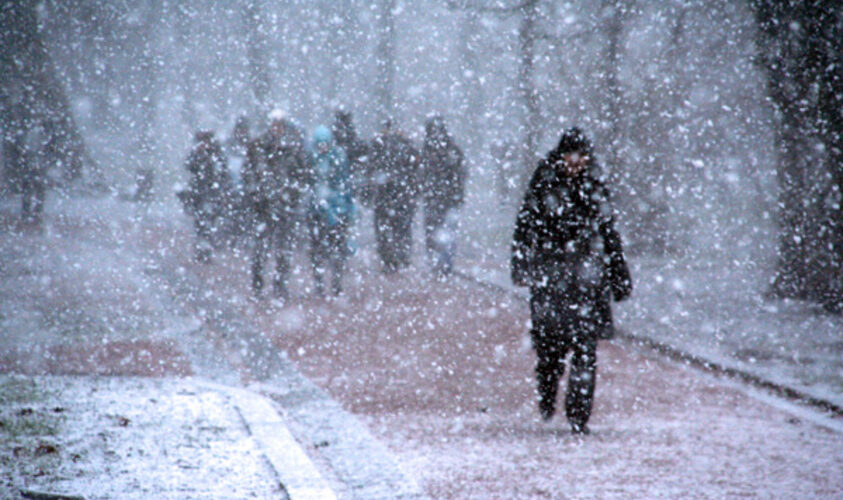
580	429
547	411
279	292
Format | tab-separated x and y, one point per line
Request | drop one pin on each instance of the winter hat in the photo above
573	140
322	134
203	135
343	116
277	114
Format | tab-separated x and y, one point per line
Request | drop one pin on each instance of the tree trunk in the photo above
800	48
526	85
256	52
469	79
28	83
385	61
614	94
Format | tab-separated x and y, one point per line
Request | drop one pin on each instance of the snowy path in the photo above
440	373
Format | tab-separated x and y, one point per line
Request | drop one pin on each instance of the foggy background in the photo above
675	94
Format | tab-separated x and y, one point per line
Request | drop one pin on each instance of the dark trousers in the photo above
439	243
273	235
32	202
328	249
560	326
393	232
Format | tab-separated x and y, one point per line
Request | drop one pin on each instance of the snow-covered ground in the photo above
440	372
132	438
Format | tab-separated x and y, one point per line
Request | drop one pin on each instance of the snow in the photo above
106	294
128	438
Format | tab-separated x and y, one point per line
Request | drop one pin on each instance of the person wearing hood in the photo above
566	249
331	210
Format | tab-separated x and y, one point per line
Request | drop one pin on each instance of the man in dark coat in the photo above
566	249
276	179
206	195
395	165
443	184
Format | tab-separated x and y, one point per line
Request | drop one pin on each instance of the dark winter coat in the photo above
444	173
209	180
565	243
277	174
395	171
346	137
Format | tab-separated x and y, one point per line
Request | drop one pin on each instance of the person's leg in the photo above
318	254
283	255
262	237
39	199
383	235
431	223
550	364
434	221
203	237
26	201
550	367
339	253
580	394
404	234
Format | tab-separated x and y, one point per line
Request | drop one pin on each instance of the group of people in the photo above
565	247
277	187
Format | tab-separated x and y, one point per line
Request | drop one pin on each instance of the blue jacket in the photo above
332	190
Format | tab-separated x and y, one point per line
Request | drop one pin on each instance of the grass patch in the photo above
21	412
15	390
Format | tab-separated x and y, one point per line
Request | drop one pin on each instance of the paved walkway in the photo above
404	387
119	350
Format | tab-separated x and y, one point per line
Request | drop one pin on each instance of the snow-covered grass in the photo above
125	438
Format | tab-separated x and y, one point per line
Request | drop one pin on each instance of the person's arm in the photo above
523	238
620	279
414	172
462	175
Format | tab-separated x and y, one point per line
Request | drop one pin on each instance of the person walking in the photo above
566	249
240	224
276	178
443	187
331	210
206	195
395	165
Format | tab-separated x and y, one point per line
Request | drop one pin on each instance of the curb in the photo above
299	477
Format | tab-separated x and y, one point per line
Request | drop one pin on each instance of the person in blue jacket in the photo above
331	210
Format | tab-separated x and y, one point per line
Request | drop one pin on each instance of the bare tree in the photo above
612	106
469	80
527	35
800	46
257	55
385	60
30	92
